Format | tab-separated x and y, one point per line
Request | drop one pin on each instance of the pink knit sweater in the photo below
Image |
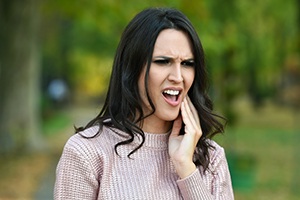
90	169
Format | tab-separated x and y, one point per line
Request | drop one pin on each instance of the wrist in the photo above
183	170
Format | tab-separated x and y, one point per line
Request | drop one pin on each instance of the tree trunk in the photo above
19	76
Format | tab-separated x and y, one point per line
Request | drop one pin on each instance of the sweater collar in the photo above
157	141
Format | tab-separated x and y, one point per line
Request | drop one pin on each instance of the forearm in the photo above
193	187
214	183
184	169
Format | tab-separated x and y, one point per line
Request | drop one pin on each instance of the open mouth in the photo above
171	95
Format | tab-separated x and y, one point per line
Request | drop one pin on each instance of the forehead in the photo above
172	42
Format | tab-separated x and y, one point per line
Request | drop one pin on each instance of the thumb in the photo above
176	126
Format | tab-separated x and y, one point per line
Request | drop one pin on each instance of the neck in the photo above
156	126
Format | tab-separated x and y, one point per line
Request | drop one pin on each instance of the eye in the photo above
162	61
188	63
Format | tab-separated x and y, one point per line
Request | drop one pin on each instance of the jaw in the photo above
153	124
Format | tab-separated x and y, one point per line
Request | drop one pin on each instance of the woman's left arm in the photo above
220	176
215	183
181	150
182	147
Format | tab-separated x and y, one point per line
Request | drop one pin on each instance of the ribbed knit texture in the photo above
90	169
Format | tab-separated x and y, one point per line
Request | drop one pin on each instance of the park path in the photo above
79	116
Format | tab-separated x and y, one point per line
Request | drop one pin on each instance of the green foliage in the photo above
55	123
91	73
247	43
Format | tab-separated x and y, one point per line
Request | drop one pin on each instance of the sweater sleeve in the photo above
75	177
215	184
192	187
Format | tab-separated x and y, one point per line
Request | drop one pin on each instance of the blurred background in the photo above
55	63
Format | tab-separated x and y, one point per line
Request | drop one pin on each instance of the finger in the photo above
192	133
188	117
192	125
193	110
176	126
185	114
189	126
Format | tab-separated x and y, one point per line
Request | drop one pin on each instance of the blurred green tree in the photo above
247	43
19	75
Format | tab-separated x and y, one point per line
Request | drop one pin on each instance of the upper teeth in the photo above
171	92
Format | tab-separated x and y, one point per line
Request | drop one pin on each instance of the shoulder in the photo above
216	148
92	136
217	155
91	143
82	139
91	147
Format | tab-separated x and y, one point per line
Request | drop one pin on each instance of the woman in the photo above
151	139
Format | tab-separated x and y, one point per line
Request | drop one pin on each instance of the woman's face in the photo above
171	75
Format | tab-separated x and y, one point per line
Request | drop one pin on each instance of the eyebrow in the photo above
171	58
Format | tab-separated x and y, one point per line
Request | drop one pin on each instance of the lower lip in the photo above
172	103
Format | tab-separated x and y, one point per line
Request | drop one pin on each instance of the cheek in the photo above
151	90
190	76
142	91
156	78
141	86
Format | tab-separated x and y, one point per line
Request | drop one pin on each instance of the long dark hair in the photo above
122	108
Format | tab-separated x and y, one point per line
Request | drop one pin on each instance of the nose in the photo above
175	73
